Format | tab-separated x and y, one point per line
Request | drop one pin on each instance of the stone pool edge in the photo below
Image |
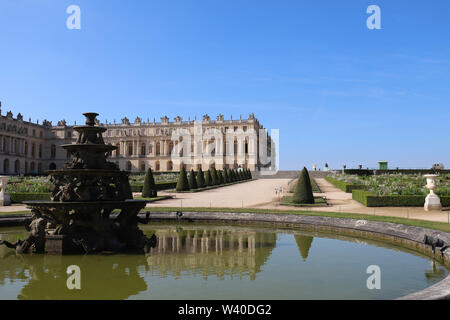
408	236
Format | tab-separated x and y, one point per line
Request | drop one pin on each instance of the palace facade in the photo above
33	148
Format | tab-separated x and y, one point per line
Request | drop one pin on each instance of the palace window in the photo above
52	151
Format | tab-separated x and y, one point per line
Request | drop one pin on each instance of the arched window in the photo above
128	168
170	147
26	167
32	167
157	168
130	149
33	150
117	152
150	149
235	147
17	166
39	167
169	165
143	149
158	148
143	166
6	166
26	148
40	151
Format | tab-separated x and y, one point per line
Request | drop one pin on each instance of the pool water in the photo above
218	261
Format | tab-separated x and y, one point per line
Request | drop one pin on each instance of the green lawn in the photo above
318	202
154	199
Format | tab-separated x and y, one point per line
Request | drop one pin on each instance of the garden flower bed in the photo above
391	190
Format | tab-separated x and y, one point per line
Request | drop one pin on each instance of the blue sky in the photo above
339	92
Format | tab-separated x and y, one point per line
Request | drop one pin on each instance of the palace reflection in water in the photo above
206	251
210	251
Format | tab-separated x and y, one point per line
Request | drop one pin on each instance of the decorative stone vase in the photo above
432	201
5	200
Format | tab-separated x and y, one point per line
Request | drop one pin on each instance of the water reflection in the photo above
303	244
207	251
239	254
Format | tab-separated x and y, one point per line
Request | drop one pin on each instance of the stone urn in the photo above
432	201
5	200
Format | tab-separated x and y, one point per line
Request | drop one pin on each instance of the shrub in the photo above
214	177
225	177
158	186
19	197
183	183
236	175
192	180
208	178
230	175
200	179
303	190
149	187
345	186
219	174
372	200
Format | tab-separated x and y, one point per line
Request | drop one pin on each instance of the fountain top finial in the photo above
90	118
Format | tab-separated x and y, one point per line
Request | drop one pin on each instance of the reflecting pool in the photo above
214	261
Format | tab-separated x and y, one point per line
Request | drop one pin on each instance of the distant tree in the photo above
149	188
208	178
303	189
183	183
200	178
192	180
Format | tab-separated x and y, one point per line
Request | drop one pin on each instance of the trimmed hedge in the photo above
19	197
344	186
365	172
159	186
372	200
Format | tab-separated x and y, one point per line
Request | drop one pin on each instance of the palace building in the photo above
33	148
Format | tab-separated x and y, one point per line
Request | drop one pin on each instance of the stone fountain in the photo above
80	218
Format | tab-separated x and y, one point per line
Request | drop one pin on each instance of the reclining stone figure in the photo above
435	243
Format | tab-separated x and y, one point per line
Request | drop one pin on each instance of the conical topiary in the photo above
214	177
208	178
200	178
183	183
220	175
225	176
229	175
192	180
149	188
303	190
